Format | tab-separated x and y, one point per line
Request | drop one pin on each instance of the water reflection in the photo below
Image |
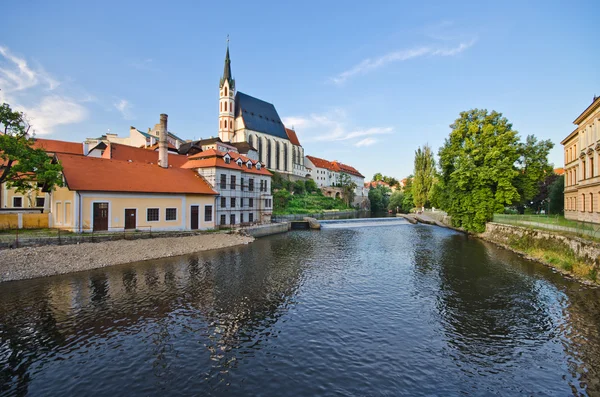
394	310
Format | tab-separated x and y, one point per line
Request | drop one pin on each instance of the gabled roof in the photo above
242	147
116	151
292	137
593	106
104	175
334	166
54	146
259	116
214	158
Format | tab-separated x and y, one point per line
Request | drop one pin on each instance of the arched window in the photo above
225	90
277	163
231	124
221	106
269	153
285	156
583	203
225	106
293	155
260	149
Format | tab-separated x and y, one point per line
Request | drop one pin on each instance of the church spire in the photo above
227	69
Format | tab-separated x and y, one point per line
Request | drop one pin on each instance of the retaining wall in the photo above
585	250
24	221
267	230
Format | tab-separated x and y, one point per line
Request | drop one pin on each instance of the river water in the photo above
392	310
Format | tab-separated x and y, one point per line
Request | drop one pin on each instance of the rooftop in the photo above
259	116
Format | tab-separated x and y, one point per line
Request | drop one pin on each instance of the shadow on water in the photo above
397	310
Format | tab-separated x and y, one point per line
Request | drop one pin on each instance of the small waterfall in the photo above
362	222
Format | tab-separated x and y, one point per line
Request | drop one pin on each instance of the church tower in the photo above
226	101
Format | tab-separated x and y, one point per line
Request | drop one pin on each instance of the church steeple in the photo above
227	69
226	101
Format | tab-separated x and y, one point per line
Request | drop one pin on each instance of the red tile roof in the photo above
214	158
155	146
54	146
374	184
559	171
116	151
104	175
292	137
334	166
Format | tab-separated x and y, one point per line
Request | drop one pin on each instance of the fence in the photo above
17	238
23	221
555	223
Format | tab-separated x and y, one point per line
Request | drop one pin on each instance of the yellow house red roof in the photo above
105	175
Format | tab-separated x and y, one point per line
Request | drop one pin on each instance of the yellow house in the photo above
582	166
115	195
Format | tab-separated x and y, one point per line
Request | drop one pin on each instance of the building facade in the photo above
582	168
327	174
243	118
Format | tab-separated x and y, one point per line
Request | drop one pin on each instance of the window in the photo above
242	217
591	167
251	217
232	183
223	220
171	214
152	214
249	164
251	184
17	202
221	108
251	202
223	202
226	107
208	213
223	181
583	175
239	162
230	124
262	185
591	202
227	158
583	203
40	201
232	202
232	219
225	90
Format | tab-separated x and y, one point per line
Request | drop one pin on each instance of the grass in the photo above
310	204
555	223
556	254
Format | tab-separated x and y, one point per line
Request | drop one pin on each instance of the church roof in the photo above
227	71
292	137
259	116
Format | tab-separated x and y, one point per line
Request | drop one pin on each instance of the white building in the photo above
327	173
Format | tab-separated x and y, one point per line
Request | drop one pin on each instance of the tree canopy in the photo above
478	168
21	165
379	198
424	176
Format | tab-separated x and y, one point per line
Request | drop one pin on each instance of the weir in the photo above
362	222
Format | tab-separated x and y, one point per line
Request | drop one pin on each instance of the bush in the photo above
299	187
311	186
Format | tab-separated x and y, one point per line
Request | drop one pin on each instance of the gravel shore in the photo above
32	262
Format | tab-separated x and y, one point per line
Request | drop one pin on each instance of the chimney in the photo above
163	151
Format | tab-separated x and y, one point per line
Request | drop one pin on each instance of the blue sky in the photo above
365	84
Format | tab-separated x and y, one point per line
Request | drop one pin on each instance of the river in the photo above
392	310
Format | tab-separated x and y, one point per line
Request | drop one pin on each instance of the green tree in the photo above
311	186
533	168
281	199
299	187
390	180
22	166
424	176
348	188
378	177
408	202
379	198
396	203
478	168
557	196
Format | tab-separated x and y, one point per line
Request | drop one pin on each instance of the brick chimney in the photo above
163	151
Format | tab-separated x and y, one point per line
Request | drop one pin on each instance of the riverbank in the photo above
32	262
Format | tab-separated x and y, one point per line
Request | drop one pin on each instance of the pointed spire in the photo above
227	69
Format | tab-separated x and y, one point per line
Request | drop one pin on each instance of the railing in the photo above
555	223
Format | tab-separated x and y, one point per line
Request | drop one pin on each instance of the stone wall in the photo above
584	250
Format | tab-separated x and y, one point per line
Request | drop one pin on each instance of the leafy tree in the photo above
540	200
22	166
478	168
396	203
378	177
348	187
299	187
408	202
390	180
557	196
379	198
281	199
424	176
311	186
533	168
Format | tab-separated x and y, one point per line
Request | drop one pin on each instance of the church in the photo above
245	119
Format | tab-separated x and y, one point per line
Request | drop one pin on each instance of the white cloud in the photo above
53	111
369	64
333	127
34	92
124	107
366	142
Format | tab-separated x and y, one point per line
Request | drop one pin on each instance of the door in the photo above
100	216
195	217
130	221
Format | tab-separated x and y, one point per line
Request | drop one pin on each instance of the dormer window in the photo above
239	162
258	166
227	159
249	164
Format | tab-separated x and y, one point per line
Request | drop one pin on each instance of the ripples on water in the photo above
389	310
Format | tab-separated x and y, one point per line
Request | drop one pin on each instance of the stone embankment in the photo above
31	262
